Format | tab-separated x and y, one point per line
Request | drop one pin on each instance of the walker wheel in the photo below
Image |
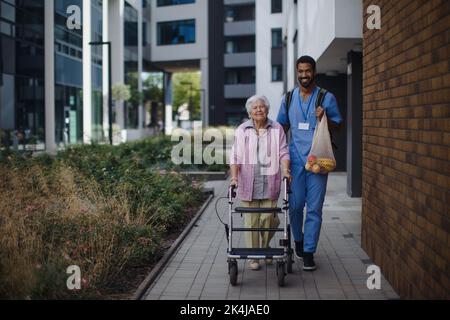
233	271
290	261
280	273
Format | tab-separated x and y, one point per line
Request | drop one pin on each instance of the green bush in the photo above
103	208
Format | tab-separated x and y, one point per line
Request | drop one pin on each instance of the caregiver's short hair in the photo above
253	99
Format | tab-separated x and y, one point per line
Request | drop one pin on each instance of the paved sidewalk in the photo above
199	269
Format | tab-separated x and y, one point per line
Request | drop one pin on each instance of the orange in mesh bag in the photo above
321	158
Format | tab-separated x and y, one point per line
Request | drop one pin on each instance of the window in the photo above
163	3
176	32
232	77
130	26
277	38
144	34
231	47
239	13
277	73
240	76
277	6
230	15
7	11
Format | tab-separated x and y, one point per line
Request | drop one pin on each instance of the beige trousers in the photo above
260	239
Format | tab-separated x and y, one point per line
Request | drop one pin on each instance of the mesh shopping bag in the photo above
321	158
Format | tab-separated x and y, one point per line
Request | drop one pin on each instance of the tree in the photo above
153	87
183	93
121	92
132	82
153	95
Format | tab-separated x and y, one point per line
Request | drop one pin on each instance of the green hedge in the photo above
106	209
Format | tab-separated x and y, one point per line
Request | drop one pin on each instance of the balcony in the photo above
240	28
330	42
244	59
238	2
236	91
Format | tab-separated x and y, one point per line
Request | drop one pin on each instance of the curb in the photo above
140	292
208	175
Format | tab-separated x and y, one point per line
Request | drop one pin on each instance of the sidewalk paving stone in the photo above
199	269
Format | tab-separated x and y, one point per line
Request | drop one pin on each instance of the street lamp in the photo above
204	114
108	43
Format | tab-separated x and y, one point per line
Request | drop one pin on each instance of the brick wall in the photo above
406	145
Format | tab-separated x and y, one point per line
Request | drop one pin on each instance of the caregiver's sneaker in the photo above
308	262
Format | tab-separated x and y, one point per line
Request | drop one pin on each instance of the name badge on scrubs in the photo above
303	126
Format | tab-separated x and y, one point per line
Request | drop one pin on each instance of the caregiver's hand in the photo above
320	112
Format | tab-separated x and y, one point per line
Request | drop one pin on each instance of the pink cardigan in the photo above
244	154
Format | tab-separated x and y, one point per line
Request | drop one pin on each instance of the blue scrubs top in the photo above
305	112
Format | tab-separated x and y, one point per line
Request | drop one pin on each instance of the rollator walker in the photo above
283	255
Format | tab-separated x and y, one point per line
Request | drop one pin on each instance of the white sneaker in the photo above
254	265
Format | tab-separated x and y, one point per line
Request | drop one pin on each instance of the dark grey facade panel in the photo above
354	129
216	50
277	56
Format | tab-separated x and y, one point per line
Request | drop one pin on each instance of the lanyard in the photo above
305	116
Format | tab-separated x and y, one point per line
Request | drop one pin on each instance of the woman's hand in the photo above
287	175
234	182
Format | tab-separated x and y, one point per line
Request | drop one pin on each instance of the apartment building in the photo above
54	74
179	43
22	68
236	45
239	57
245	56
270	74
54	91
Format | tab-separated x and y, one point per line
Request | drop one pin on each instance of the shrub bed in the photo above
105	209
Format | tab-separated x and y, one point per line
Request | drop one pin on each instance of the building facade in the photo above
54	74
179	43
67	98
270	20
239	58
22	72
245	57
406	146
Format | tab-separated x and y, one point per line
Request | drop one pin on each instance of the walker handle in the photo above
232	192
287	185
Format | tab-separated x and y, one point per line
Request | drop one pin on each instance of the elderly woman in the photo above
259	150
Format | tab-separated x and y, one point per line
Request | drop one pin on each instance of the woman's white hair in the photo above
255	98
